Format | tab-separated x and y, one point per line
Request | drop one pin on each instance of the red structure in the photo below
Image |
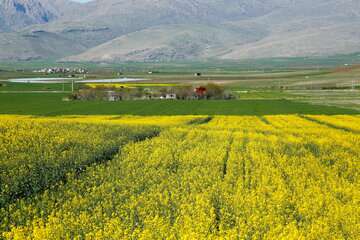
200	91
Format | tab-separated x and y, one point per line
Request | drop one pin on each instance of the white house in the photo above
112	96
170	96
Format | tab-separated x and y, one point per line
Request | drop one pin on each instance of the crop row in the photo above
274	177
35	155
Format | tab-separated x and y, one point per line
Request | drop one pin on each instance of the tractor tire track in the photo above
330	125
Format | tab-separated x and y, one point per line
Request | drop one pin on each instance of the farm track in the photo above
36	176
232	177
330	125
102	158
200	121
226	157
109	154
264	120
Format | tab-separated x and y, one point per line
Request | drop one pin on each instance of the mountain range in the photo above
169	30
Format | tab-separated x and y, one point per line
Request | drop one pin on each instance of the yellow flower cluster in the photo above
160	121
271	177
36	154
351	123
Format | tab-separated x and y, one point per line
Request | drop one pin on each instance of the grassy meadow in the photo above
52	104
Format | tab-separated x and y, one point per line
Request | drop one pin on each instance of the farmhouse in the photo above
200	91
111	93
170	96
112	96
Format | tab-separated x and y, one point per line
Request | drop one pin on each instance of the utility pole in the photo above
279	85
353	85
72	86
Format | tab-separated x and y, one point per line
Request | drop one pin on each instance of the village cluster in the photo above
53	70
206	92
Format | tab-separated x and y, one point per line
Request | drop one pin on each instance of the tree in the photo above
184	92
163	91
138	92
214	91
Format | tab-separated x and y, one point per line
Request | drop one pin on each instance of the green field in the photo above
52	104
267	86
27	87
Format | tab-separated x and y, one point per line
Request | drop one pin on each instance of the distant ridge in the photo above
170	30
15	14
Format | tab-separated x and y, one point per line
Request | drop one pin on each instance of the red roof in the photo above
200	91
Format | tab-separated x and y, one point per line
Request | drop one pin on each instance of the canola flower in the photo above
157	121
34	155
350	123
272	177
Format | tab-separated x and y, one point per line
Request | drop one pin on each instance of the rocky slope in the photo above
162	30
16	14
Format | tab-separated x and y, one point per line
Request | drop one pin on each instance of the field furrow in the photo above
346	123
35	155
228	178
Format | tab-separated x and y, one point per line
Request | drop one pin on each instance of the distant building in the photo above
61	70
200	91
146	97
170	96
113	96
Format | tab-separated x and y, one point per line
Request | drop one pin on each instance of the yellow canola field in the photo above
160	121
268	177
35	154
351	123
